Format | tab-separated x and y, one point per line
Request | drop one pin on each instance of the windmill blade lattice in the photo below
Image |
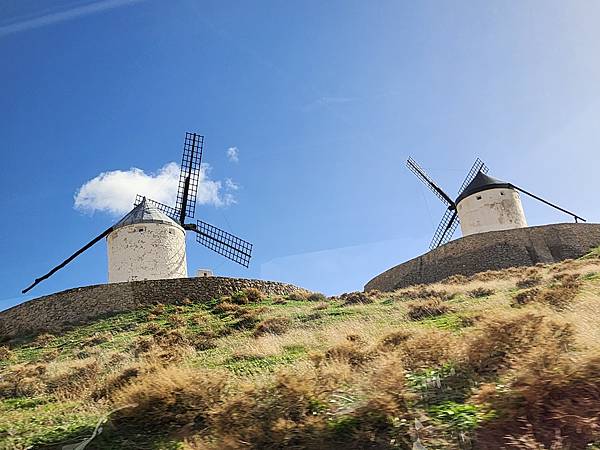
421	175
224	243
478	166
445	229
168	210
189	176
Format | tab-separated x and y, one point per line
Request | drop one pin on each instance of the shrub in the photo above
355	298
428	348
70	378
351	353
422	292
550	391
394	339
426	308
226	307
456	279
23	380
43	339
274	325
321	306
316	297
557	296
158	309
495	342
142	345
279	301
253	295
297	296
5	353
245	320
177	320
98	338
480	292
239	298
169	398
171	338
123	376
532	280
284	413
524	297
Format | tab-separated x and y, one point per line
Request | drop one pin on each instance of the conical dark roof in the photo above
482	182
144	213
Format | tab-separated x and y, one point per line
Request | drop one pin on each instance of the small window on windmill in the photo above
479	197
501	193
141	229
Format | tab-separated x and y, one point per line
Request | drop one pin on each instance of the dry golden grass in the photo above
348	372
427	308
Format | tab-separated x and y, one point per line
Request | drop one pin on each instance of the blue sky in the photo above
324	102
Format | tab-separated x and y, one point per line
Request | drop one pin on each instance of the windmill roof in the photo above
144	213
482	182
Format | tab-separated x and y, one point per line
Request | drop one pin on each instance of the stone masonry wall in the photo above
492	251
55	312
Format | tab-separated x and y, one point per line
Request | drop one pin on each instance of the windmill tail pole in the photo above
68	260
575	216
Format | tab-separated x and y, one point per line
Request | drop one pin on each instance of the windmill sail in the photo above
224	243
69	259
422	175
189	176
478	166
445	229
168	210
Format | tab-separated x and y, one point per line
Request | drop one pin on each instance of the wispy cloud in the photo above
233	154
114	192
49	18
231	185
328	101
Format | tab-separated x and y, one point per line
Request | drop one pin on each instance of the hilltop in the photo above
506	358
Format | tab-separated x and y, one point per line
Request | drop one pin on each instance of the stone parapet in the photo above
492	251
53	313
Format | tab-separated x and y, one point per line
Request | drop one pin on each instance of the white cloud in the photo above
115	191
51	17
233	154
231	185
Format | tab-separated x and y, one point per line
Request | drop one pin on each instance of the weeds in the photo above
480	292
233	373
274	325
426	308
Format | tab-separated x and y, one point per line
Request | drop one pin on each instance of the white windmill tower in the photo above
146	244
483	204
149	242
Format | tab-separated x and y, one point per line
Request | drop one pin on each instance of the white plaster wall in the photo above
491	210
146	251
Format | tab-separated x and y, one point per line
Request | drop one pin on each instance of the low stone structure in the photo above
492	251
53	313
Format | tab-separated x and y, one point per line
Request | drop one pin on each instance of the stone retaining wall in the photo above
492	251
55	312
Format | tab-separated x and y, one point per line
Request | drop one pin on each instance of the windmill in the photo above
483	204
149	242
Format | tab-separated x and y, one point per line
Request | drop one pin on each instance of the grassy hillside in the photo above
507	359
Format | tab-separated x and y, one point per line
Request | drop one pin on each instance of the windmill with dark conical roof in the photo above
483	204
149	242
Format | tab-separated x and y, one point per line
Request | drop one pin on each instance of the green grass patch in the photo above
459	416
450	322
39	422
250	364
